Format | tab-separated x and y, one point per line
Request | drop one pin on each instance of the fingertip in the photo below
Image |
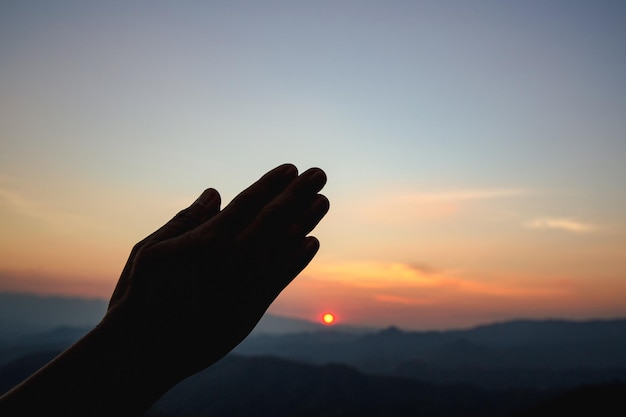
321	205
287	170
304	255
209	197
311	246
316	176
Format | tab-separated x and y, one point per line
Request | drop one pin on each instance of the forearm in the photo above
103	374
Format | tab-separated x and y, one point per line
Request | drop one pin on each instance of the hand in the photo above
195	288
189	293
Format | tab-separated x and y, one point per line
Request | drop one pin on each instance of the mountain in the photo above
32	323
294	367
266	386
537	354
543	354
28	314
277	325
54	340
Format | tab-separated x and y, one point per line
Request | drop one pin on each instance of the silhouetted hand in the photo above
189	293
196	287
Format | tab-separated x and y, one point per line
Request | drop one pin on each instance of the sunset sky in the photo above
475	150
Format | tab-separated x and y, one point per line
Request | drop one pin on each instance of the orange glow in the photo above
328	318
414	296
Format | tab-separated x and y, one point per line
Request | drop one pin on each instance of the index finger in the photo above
244	208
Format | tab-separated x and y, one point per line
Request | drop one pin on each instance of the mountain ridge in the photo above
339	370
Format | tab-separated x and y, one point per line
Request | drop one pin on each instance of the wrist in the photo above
142	363
105	373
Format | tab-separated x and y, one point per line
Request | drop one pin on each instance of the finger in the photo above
294	262
201	210
304	255
245	207
299	203
292	253
316	212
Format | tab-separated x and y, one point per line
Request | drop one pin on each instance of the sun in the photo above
328	318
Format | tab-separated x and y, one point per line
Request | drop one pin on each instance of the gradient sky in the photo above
476	150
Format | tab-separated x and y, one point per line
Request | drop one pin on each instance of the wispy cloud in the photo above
372	274
398	299
396	292
54	218
467	195
401	282
15	202
561	223
76	208
409	206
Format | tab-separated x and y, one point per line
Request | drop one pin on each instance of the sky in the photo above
475	150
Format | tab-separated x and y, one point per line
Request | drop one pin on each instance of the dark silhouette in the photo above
189	293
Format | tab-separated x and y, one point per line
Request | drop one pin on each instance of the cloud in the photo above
66	211
409	301
467	195
422	268
383	293
561	223
401	282
16	203
60	220
373	275
410	206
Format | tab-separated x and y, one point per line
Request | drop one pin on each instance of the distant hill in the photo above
265	386
537	354
294	367
277	325
32	323
542	354
27	314
54	340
